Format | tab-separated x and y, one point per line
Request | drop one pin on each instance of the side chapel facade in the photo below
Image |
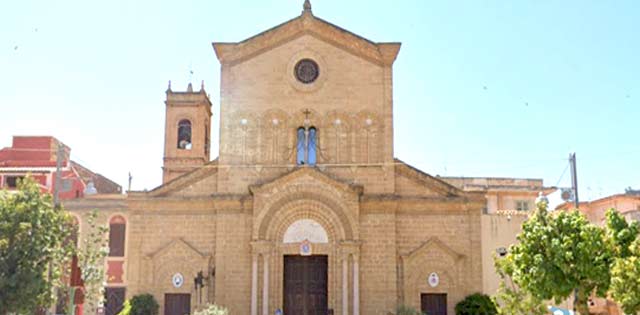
305	210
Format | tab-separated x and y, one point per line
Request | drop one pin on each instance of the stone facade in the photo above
388	226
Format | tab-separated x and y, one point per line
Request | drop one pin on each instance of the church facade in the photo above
306	210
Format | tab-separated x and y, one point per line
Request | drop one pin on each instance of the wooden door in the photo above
177	304
114	300
305	285
433	304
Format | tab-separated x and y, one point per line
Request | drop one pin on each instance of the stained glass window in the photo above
300	147
311	159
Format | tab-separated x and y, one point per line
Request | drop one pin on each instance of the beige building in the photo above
306	210
510	201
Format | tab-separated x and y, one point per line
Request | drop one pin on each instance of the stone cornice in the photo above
433	242
310	171
97	204
209	169
383	54
387	204
433	183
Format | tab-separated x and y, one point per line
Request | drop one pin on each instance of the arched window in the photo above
117	232
306	147
301	146
184	135
311	149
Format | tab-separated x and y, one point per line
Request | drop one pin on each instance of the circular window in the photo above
306	71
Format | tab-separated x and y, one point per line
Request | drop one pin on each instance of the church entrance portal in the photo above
305	285
433	304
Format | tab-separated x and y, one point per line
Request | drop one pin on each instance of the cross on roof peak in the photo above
306	7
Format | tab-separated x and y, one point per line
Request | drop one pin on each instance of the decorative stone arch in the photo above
305	209
433	256
243	129
368	127
304	194
338	137
274	136
305	229
332	212
177	256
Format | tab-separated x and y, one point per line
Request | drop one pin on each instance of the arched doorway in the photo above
307	259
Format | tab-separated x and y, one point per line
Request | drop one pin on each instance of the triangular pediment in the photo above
302	175
423	183
177	246
180	184
433	246
306	24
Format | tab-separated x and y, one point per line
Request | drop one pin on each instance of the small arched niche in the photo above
305	229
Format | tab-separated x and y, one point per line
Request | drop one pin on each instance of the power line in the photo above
563	172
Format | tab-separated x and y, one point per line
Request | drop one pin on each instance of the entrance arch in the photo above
315	204
305	229
281	226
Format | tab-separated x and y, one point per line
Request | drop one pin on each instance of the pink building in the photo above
36	156
627	203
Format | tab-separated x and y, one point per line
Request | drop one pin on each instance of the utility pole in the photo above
574	179
58	180
574	187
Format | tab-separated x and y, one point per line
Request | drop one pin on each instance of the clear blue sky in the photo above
481	88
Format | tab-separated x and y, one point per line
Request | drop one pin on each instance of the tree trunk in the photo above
582	303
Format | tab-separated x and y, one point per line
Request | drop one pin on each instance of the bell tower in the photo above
187	132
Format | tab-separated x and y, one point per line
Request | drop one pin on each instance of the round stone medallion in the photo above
306	71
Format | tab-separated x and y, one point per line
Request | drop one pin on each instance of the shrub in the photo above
143	304
476	304
407	310
212	309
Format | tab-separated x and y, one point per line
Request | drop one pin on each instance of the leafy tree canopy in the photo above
625	269
557	255
32	248
476	304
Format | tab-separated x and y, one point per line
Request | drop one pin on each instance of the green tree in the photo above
476	304
620	234
510	299
625	287
622	237
407	310
91	255
32	251
144	304
559	255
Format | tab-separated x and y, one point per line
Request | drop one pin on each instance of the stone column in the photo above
265	284
345	285
254	285
356	286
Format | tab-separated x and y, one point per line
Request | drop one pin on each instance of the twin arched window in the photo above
184	135
306	146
